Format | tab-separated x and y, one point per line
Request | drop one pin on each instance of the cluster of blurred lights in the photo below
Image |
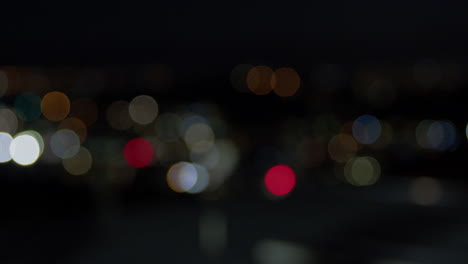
192	144
261	80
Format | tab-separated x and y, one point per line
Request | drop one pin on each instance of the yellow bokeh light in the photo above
362	171
286	82
259	80
80	163
55	106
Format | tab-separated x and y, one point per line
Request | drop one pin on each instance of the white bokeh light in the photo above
5	142
24	150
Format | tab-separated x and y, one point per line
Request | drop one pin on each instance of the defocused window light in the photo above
280	180
342	147
182	176
118	115
28	106
80	163
366	129
259	80
143	109
24	150
76	125
55	106
5	142
286	82
138	152
65	143
362	171
85	109
3	83
239	77
8	121
425	191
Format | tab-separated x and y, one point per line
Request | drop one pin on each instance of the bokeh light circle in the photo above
55	106
138	152
5	142
24	150
342	147
441	135
182	176
143	109
38	138
366	129
199	137
203	179
28	106
259	80
362	171
280	180
65	143
286	82
8	121
80	163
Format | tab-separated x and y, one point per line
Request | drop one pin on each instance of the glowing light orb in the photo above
182	176
24	150
286	82
55	106
80	163
143	109
65	143
138	152
362	171
366	129
5	142
203	179
259	80
441	135
280	180
8	121
28	106
37	136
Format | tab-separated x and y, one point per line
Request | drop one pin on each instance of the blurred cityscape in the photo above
282	135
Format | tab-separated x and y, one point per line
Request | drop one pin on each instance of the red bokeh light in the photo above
138	152
280	180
